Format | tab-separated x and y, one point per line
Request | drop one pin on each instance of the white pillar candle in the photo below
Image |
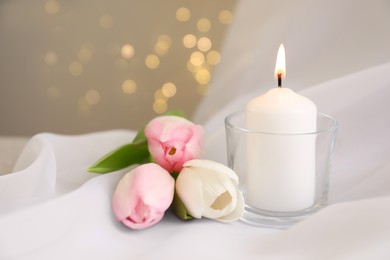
281	168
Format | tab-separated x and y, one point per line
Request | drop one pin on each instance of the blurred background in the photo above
72	67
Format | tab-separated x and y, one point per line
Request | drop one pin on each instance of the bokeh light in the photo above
203	25
85	53
83	106
197	58
160	106
92	97
76	68
169	89
225	17
203	76
189	41
204	44
158	94
106	21
202	89
51	58
129	86
152	61
213	57
163	44
52	7
183	14
127	51
53	92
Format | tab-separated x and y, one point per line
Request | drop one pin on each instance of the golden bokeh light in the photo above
204	44
53	92
189	41
158	94
183	14
213	57
202	89
225	17
203	25
106	21
83	106
127	51
92	97
169	89
76	68
52	7
152	61
160	106
163	44
129	86
191	67
85	54
197	58
203	76
51	58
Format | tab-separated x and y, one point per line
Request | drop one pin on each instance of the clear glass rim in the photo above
331	128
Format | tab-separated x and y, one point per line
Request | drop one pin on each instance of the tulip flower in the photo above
143	195
173	140
209	189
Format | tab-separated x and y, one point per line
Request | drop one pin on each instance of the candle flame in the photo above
280	67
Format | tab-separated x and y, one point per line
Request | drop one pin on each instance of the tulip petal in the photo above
173	140
237	212
123	198
209	189
154	185
213	166
143	195
189	189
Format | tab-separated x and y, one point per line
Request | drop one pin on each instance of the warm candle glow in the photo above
280	68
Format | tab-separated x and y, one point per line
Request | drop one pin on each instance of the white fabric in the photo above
51	208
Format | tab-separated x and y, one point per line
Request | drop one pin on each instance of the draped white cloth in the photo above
51	208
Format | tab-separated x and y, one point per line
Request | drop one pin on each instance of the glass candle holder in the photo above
283	177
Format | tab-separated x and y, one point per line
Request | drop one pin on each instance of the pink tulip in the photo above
173	140
143	195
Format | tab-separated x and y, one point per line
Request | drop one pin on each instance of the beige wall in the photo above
72	67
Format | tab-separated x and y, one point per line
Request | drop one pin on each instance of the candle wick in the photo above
279	80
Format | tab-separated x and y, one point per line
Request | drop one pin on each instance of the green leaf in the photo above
175	113
179	208
140	137
124	156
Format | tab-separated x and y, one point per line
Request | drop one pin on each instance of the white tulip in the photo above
209	189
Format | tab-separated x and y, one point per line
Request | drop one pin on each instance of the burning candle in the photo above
281	159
